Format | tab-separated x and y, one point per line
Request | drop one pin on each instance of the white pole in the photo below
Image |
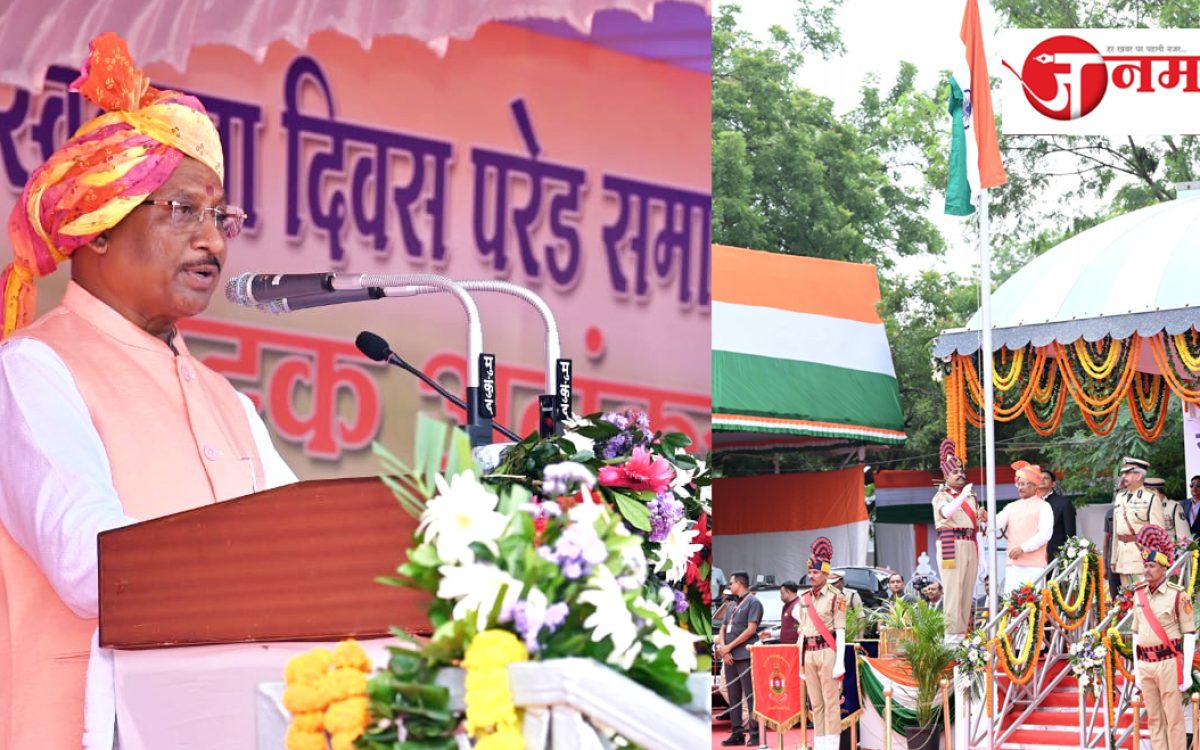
989	422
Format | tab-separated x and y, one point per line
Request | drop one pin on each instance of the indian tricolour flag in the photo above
799	349
974	147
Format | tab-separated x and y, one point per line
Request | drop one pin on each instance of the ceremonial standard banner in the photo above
573	170
776	673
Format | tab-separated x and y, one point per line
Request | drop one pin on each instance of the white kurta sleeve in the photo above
56	488
276	472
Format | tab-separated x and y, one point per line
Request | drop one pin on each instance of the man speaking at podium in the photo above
108	419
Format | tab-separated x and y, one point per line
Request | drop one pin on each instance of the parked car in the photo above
870	583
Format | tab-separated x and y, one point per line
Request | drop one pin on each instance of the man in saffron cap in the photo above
957	517
1028	524
1164	640
1134	506
109	418
821	617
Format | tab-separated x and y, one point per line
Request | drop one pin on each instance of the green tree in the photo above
791	176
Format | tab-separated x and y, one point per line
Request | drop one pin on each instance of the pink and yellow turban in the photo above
103	172
821	553
1027	471
1155	545
951	463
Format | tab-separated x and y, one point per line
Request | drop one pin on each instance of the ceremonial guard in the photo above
1134	506
1164	641
821	616
957	517
1174	521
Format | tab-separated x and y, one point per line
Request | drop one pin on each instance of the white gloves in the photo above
839	654
1189	652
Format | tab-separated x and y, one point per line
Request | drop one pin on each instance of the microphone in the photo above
250	289
376	348
293	304
554	405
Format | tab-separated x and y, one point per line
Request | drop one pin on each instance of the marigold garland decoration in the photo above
1098	376
491	715
1020	668
327	693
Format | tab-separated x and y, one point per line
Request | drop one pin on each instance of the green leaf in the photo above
633	511
430	447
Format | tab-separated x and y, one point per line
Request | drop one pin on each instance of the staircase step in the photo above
1042	737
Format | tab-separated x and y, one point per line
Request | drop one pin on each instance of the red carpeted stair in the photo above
1054	725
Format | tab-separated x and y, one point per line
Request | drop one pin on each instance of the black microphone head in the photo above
373	346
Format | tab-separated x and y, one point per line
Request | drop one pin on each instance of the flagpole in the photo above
989	422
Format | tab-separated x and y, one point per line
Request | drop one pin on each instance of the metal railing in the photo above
1014	703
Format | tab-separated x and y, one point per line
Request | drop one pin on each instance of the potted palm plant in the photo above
895	623
929	658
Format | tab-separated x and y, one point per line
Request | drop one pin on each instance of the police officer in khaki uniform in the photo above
1164	641
1174	521
1134	506
821	617
957	517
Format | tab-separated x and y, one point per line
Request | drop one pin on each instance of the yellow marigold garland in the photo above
326	692
1167	368
491	715
1020	669
1183	351
1148	400
1070	616
1191	587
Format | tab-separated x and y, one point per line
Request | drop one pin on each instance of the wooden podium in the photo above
293	563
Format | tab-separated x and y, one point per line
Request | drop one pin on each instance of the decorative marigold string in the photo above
1089	396
1148	405
1169	372
1103	427
1045	409
1109	682
1004	381
1112	351
1071	616
1183	350
1020	669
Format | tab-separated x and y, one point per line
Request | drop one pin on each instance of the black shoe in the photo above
752	740
734	739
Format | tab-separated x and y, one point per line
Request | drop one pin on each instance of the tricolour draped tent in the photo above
1106	318
765	524
800	355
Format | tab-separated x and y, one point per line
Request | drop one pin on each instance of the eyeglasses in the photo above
186	217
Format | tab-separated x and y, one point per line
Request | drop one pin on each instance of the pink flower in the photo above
640	472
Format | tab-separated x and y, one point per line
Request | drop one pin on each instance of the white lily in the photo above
684	642
476	587
674	552
611	618
463	512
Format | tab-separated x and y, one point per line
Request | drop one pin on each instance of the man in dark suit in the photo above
1064	513
1191	507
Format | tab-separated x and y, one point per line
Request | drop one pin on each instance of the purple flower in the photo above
620	420
577	551
557	478
681	602
532	615
665	511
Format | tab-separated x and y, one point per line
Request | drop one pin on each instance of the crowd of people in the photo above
1143	530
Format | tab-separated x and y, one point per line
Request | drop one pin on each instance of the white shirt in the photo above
1045	527
62	496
